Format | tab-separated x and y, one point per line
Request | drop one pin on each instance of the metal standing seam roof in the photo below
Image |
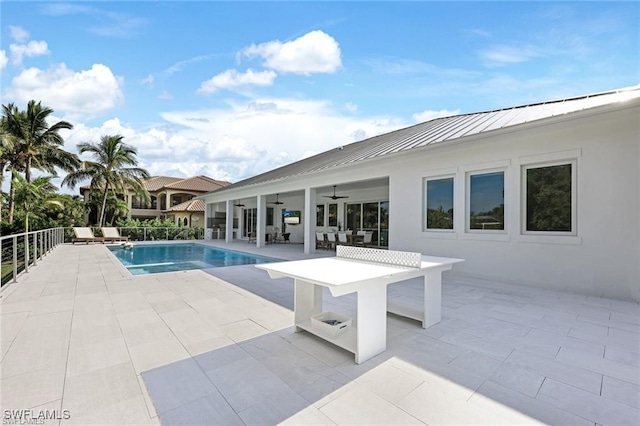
436	131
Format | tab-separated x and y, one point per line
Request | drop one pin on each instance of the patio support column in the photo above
229	225
309	220
262	221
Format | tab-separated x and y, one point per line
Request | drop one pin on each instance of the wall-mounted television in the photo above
292	217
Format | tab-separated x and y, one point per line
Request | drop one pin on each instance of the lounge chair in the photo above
85	235
113	235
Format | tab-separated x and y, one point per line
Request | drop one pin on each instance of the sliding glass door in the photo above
249	221
371	216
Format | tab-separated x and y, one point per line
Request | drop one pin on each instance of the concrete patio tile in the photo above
176	384
480	364
204	346
146	333
518	378
88	357
308	416
11	323
96	334
599	365
128	411
621	391
194	334
211	409
358	405
539	410
320	349
156	353
135	318
164	306
243	330
151	409
561	371
389	382
623	356
273	408
222	315
582	403
92	391
231	380
32	389
221	357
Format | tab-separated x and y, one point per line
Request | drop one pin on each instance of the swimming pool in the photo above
154	258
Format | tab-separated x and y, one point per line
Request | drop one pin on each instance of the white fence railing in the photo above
20	251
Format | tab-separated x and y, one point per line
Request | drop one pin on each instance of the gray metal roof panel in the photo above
436	131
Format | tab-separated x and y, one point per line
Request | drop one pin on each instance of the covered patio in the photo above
79	333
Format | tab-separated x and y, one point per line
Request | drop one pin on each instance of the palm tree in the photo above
35	144
114	169
33	195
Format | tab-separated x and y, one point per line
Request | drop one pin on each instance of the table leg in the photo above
307	301
432	298
372	322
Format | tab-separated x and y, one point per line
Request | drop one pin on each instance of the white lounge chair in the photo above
85	235
113	235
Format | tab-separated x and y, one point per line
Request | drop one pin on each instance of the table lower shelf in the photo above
348	340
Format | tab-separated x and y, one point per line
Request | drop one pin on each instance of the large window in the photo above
269	216
333	215
138	203
549	198
439	203
320	215
486	201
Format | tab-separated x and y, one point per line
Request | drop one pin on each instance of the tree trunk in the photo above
27	170
104	205
12	193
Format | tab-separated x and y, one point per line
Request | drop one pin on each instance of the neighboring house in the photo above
545	194
169	199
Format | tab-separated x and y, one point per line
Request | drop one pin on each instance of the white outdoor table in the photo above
349	273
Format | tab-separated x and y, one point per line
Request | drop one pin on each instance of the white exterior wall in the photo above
603	259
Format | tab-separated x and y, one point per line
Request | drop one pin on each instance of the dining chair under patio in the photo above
320	242
342	238
331	240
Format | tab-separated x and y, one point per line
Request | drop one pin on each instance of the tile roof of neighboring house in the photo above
437	131
197	183
188	206
155	183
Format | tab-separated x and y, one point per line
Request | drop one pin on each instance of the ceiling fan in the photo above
239	205
334	196
277	202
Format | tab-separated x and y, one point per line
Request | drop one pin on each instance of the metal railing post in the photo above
144	234
35	248
15	259
167	234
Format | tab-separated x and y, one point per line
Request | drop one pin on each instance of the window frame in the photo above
425	207
467	209
524	167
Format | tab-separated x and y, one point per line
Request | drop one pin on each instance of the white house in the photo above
546	194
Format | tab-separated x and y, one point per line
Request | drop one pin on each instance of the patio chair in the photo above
85	235
320	242
342	238
112	234
286	237
252	237
366	239
331	240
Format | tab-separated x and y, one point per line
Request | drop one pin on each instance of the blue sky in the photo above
233	89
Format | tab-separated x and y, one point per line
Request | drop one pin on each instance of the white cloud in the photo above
3	59
19	34
82	93
351	107
232	79
165	95
314	52
241	140
147	80
32	48
508	55
421	117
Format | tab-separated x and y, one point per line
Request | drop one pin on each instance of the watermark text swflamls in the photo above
33	417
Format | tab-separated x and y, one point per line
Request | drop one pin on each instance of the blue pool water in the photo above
150	259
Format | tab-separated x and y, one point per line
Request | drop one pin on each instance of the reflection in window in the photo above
486	201
269	216
439	203
333	215
320	215
549	198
